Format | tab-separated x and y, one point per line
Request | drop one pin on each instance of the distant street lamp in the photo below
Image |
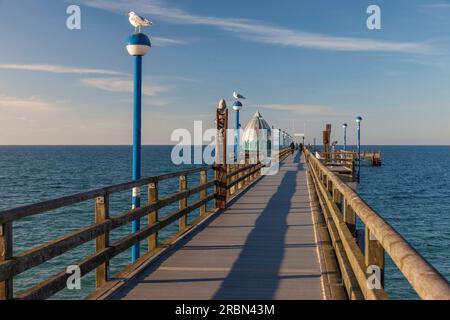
358	149
345	136
138	46
237	106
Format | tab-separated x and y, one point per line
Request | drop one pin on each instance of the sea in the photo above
411	191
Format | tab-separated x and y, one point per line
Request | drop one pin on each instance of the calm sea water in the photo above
410	191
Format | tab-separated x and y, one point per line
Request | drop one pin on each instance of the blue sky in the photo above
301	63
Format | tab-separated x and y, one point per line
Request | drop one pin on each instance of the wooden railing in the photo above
343	159
238	177
11	266
362	271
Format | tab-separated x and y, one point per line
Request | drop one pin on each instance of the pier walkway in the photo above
263	246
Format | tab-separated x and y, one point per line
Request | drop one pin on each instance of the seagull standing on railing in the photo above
238	96
138	22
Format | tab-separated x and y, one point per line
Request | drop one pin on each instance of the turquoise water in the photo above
410	191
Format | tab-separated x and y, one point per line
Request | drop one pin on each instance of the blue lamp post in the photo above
138	46
358	149
237	106
344	126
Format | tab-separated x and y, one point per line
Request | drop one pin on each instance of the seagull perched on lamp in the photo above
238	96
138	22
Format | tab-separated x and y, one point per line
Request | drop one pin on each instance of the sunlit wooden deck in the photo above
262	247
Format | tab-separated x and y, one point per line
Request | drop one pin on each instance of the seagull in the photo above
238	96
137	21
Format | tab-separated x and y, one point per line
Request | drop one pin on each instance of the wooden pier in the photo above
262	246
288	236
291	235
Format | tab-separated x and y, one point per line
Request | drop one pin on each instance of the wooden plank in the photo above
153	215
6	251
102	241
182	222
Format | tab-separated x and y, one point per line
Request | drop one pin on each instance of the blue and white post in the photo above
237	106
138	46
344	126
358	149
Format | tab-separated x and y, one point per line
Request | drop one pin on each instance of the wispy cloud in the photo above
30	103
311	111
121	84
257	31
162	42
57	69
437	5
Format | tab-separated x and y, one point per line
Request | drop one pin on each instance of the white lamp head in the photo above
138	44
237	105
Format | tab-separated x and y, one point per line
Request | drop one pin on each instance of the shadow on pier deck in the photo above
263	246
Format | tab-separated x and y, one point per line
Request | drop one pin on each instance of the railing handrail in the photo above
13	214
423	277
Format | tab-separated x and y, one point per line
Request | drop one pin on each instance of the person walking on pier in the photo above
292	147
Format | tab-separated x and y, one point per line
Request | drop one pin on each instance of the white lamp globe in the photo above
237	106
138	44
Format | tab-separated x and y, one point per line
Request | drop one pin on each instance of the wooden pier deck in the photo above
263	246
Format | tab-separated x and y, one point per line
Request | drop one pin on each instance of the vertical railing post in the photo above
182	222
102	241
6	252
152	241
349	217
329	186
221	155
239	185
337	198
203	181
374	254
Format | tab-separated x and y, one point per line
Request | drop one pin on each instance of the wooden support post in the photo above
6	252
374	254
239	185
102	241
337	198
246	180
152	240
330	186
203	181
349	217
231	169
182	222
221	155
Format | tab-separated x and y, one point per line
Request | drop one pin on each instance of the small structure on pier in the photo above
257	134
